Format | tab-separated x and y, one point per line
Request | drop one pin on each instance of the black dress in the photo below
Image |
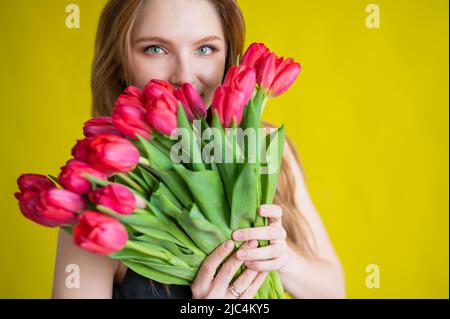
135	286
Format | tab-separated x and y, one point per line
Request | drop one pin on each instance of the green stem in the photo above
144	161
131	182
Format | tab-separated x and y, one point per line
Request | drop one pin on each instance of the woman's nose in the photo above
181	72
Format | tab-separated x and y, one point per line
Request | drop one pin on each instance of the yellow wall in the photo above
369	115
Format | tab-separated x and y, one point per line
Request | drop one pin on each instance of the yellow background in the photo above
369	115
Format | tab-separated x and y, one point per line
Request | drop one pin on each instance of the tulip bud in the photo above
229	104
155	88
99	233
243	79
192	102
287	73
129	117
252	55
51	208
100	125
116	197
162	113
34	182
71	176
107	153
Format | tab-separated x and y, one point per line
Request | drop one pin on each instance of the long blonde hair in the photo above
111	73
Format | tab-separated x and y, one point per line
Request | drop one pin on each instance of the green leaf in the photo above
204	233
274	153
207	189
244	205
191	146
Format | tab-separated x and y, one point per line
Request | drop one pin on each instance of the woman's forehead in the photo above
188	20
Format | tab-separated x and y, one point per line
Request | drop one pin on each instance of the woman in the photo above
196	41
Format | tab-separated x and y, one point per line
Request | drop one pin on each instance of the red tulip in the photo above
107	153
229	104
266	69
243	79
71	177
100	125
273	73
99	233
136	92
51	208
155	88
129	117
192	102
34	182
162	113
252	55
287	73
116	197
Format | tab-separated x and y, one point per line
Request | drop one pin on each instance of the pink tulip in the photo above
129	117
273	73
252	55
192	102
155	88
229	104
100	125
287	73
107	153
34	182
136	92
71	176
266	69
243	79
162	113
51	208
99	233
116	197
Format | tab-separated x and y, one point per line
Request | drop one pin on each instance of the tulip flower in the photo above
34	182
116	197
155	88
162	113
273	73
136	92
252	55
100	125
71	176
243	79
51	208
99	233
129	117
192	102
107	153
287	73
229	104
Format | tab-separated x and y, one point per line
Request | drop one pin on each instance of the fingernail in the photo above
252	243
238	235
229	244
241	254
261	209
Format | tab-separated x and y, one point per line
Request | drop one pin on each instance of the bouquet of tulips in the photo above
161	183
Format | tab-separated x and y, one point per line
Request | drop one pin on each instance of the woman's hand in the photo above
273	257
212	285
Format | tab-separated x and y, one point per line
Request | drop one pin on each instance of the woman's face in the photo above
179	41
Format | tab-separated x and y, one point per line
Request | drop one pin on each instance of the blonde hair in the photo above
111	73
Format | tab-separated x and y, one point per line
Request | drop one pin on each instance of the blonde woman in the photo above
196	41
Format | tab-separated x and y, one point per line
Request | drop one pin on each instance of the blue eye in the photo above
153	49
204	50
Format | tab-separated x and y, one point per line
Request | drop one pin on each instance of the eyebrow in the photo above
165	41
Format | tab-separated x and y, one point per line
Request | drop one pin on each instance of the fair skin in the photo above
185	56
